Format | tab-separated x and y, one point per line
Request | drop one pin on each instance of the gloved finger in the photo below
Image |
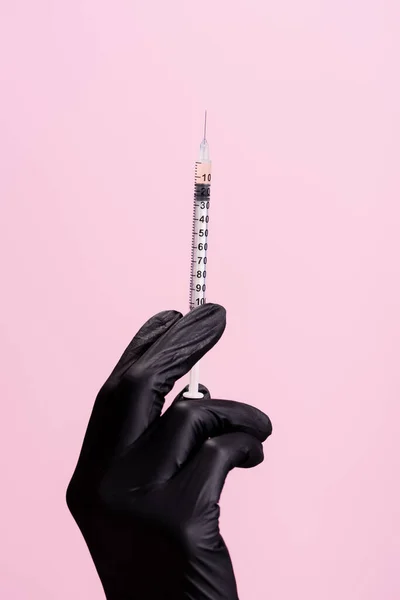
151	331
203	477
146	383
187	424
105	420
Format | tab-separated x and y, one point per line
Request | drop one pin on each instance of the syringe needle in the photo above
205	124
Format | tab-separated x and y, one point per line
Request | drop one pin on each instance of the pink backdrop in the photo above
101	116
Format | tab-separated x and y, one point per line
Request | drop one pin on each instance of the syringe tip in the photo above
204	155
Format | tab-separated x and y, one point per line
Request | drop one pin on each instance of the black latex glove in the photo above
146	488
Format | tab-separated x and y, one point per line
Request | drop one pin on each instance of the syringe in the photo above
198	272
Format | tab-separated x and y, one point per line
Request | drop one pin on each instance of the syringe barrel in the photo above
202	189
198	285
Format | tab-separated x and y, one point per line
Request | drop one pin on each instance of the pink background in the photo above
101	116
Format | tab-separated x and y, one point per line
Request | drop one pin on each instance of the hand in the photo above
146	488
